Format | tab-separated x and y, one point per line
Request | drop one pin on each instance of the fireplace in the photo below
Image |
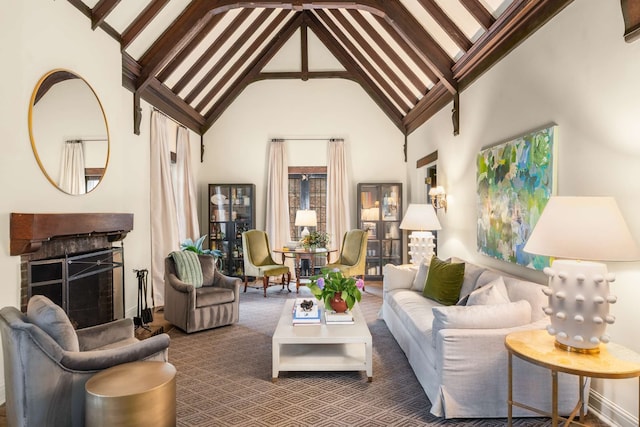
72	259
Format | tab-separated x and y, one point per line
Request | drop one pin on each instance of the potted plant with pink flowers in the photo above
337	291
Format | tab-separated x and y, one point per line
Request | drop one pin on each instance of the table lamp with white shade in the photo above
305	218
579	231
422	219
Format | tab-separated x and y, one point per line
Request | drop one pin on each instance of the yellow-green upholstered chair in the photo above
258	261
353	254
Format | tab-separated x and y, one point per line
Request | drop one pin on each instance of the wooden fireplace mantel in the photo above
29	230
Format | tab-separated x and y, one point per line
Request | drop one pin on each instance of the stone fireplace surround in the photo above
36	237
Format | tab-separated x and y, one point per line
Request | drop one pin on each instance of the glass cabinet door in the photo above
231	212
380	214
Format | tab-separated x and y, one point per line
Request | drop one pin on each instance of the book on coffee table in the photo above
306	312
333	318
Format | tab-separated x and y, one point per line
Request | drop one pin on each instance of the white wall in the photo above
236	147
578	72
37	39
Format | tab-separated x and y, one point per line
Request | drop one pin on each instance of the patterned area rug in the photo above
224	378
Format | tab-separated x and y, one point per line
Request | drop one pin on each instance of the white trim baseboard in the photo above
609	412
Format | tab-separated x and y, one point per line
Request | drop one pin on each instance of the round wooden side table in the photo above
538	347
132	394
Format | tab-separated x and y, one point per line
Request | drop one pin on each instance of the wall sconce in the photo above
438	198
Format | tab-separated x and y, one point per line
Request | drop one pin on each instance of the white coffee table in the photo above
321	347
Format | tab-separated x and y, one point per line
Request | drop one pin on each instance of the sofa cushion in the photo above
481	316
444	281
397	277
52	319
212	295
415	313
188	267
494	292
421	277
471	274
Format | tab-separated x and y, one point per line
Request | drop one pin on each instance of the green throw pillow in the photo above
444	281
188	267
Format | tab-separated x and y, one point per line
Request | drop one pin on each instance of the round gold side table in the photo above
132	394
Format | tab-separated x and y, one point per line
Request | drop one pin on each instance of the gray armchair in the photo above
216	303
47	362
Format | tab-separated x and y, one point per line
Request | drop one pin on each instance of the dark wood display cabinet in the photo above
380	213
231	212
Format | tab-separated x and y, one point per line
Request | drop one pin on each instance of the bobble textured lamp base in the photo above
579	304
421	246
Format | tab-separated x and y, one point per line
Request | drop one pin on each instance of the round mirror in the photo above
69	132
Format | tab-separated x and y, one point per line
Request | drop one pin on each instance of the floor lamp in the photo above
581	230
422	219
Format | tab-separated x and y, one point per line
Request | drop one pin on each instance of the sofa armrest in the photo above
472	368
101	359
106	333
228	282
224	281
478	340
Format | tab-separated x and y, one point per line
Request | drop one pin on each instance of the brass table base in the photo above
132	394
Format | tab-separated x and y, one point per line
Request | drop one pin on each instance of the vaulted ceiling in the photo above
192	58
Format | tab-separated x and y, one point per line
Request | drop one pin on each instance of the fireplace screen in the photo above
89	286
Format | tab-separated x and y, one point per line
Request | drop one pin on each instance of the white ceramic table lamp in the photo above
580	230
421	218
306	218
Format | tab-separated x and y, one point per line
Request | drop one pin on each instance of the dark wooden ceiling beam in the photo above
298	75
173	40
631	15
479	12
362	78
378	61
267	53
521	19
304	52
437	98
195	68
189	48
158	95
86	11
447	24
141	21
244	58
419	39
389	51
381	81
417	59
101	10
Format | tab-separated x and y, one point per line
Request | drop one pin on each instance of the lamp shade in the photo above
420	217
306	218
583	228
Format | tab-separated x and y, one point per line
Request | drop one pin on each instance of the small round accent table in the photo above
132	394
538	347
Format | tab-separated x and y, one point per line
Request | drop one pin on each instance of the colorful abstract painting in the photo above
515	181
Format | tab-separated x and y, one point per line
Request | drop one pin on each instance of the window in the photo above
307	190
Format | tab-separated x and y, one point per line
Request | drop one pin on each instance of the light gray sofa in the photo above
458	352
47	362
216	303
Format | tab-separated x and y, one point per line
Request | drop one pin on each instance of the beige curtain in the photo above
72	179
277	217
164	227
186	196
338	199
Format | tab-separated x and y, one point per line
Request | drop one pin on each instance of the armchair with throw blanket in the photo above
47	362
196	295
